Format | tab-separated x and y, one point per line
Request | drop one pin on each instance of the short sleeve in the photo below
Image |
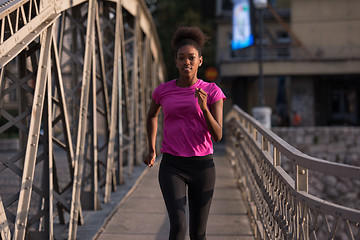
156	95
216	94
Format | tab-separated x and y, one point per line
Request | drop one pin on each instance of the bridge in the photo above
76	78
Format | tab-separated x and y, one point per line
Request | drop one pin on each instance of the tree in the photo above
170	14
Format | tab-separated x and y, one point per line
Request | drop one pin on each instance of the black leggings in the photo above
198	174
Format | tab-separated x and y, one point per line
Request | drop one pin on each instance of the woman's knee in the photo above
177	230
197	236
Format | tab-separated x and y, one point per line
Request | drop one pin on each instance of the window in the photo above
343	106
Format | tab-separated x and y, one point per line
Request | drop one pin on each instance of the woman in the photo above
193	111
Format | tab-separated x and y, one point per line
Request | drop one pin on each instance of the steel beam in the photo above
114	107
33	141
4	226
123	84
82	127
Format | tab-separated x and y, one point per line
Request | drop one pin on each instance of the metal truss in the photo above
279	203
75	82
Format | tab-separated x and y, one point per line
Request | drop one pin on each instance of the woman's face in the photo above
188	60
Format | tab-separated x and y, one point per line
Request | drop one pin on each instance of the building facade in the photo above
311	61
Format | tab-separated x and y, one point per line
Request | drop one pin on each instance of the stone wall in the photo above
335	144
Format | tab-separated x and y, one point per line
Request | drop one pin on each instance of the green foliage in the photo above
169	15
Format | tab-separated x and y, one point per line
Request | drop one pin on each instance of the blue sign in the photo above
242	35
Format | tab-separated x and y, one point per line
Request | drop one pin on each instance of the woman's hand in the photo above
150	159
201	95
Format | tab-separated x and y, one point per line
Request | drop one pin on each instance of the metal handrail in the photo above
279	203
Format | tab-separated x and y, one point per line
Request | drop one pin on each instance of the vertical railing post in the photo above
277	157
302	230
265	147
276	162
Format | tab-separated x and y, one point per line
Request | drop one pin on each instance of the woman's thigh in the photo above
201	190
173	188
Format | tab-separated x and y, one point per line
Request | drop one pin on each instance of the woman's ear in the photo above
200	61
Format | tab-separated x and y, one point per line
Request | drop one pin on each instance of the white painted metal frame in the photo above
52	51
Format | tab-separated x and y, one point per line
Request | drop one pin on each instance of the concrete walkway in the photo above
142	215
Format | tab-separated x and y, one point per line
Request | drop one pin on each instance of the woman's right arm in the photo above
151	128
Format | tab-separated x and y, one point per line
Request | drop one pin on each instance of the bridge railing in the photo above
76	78
278	199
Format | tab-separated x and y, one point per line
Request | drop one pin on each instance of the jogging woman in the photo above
193	112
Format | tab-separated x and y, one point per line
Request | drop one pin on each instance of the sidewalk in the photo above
142	214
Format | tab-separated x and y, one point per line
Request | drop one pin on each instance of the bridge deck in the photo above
143	215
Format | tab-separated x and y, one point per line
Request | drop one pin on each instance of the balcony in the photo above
291	53
288	59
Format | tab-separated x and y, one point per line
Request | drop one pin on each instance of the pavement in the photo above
141	213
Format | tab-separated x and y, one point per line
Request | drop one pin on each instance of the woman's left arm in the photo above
214	119
214	116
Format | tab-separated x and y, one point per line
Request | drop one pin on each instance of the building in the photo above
311	60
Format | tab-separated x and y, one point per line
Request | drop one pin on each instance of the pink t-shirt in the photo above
185	132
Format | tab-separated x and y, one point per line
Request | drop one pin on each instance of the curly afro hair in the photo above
189	36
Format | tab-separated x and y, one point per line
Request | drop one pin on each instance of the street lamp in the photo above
261	113
260	5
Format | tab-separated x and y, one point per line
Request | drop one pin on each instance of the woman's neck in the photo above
186	81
